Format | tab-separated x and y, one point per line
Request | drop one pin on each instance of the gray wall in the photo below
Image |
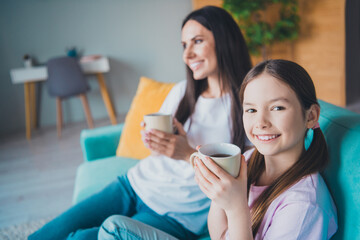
141	38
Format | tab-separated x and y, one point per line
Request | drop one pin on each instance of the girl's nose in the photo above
262	122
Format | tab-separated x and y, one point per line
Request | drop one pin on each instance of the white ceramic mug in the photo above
159	121
226	155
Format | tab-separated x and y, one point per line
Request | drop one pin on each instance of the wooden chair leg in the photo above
87	110
59	117
106	98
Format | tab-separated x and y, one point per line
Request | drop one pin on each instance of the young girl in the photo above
279	193
159	198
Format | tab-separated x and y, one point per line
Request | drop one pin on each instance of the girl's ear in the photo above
312	116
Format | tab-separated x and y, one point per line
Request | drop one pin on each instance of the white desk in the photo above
29	76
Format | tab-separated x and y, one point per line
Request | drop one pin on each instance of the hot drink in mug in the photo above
226	155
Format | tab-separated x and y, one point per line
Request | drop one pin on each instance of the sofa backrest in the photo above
341	128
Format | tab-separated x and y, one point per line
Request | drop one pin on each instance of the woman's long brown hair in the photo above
233	62
312	160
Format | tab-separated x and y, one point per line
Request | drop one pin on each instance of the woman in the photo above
159	198
279	193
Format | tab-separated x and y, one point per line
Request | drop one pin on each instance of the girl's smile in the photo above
267	137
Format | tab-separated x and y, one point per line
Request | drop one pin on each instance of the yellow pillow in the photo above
148	99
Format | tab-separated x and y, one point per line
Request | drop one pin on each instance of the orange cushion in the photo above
148	99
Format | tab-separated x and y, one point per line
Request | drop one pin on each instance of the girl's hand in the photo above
224	190
171	145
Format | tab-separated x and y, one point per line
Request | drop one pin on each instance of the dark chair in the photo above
66	79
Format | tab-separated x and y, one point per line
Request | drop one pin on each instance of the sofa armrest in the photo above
100	142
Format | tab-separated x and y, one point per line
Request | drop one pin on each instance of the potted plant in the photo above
261	26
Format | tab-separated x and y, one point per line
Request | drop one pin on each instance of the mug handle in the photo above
192	158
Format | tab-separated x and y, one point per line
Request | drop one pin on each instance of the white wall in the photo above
141	38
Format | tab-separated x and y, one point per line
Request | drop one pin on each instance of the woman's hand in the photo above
224	190
144	134
171	145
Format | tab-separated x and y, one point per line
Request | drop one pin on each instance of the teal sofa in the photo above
340	126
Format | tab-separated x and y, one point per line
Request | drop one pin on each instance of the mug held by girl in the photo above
226	155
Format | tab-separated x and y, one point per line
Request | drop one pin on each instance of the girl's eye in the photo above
251	110
184	45
278	108
198	41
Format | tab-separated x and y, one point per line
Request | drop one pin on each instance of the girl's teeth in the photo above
265	138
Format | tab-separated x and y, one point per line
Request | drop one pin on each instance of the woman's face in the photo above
199	50
273	117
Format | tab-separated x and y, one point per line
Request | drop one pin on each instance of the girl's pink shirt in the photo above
305	211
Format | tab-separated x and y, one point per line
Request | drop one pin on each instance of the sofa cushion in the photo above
100	142
93	176
148	99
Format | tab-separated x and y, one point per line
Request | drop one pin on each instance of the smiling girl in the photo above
279	193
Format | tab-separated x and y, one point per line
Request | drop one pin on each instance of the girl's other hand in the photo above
171	145
224	190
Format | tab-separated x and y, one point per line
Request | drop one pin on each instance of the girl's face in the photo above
273	117
199	50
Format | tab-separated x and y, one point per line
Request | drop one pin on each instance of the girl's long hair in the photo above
233	63
312	160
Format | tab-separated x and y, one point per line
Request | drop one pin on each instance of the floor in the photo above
37	176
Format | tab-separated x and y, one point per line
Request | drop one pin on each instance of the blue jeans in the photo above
83	220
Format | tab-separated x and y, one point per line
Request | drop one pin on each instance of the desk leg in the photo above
33	104
106	98
27	110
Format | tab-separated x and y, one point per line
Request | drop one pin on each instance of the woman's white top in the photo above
167	185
